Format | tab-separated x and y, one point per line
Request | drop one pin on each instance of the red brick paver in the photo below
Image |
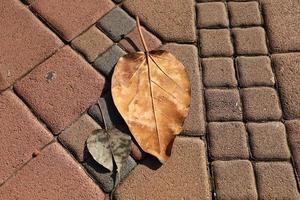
61	88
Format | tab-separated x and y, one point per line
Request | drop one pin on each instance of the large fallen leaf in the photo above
109	146
151	90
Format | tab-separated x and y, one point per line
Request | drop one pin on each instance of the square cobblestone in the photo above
261	104
219	72
60	89
255	71
223	105
234	180
276	180
244	13
215	42
92	43
212	15
250	41
228	140
117	23
268	141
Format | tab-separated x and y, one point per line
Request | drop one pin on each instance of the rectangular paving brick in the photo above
287	70
25	42
234	180
282	18
71	17
21	134
183	176
54	175
61	88
276	180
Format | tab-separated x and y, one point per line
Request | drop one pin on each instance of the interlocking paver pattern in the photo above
241	139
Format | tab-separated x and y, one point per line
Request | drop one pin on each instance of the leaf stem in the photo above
104	122
141	35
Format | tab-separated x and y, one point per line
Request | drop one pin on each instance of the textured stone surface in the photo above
268	141
276	180
261	104
287	69
228	140
116	24
212	15
106	62
250	41
71	17
21	134
218	72
188	55
223	105
54	175
106	179
255	71
172	21
282	21
244	13
75	136
132	41
61	88
150	181
92	43
234	180
22	32
215	42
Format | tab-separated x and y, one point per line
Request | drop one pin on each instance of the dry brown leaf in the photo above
152	93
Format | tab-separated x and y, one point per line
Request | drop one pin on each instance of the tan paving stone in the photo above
172	21
71	17
54	175
183	176
61	88
287	70
21	134
234	180
24	42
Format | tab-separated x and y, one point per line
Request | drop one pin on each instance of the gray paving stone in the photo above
106	62
116	24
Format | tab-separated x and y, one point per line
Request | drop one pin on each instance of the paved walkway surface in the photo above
241	139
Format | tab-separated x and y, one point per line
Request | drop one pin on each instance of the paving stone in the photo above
268	141
194	123
136	151
244	13
171	21
223	105
106	179
219	72
75	136
228	140
215	42
250	41
261	104
276	180
132	41
106	62
71	17
34	40
287	70
282	19
61	88
92	43
255	71
116	24
234	180
293	132
53	174
149	180
21	134
212	15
